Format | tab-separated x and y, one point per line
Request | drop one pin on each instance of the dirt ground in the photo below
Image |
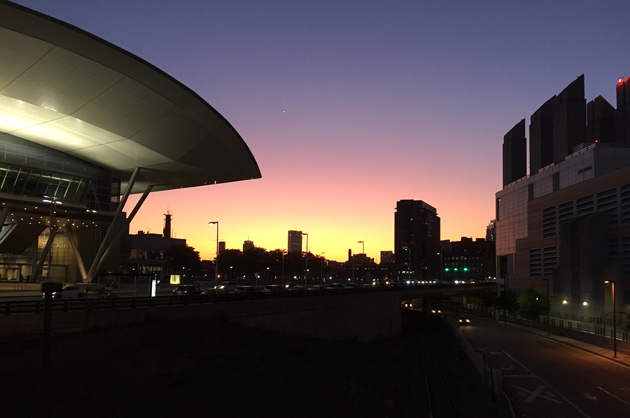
219	369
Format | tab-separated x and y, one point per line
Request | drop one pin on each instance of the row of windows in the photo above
616	205
543	261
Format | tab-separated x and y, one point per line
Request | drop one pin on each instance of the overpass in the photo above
347	314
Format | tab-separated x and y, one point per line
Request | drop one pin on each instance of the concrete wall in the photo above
355	317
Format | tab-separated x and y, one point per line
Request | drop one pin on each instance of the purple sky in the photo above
349	106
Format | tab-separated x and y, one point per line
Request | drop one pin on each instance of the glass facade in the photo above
32	170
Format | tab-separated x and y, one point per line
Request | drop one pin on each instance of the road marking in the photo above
590	397
584	414
539	392
619	399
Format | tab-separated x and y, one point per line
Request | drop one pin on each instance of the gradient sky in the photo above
350	106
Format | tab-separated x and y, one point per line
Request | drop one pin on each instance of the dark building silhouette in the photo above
600	119
541	137
295	242
416	240
491	231
515	154
569	120
248	245
167	225
467	260
622	125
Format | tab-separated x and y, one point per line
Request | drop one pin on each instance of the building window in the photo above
565	212
607	202
535	263
549	222
556	182
584	206
550	261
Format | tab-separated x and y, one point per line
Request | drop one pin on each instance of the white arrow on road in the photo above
590	397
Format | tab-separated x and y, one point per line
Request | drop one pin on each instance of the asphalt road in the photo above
546	378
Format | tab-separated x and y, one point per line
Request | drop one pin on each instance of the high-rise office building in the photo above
514	154
567	224
295	242
416	240
248	245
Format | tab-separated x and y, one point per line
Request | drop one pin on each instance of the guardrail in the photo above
125	302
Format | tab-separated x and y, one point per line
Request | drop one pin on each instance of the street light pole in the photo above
282	274
321	267
216	259
305	261
612	282
363	259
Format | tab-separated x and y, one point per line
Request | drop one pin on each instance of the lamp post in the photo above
612	283
52	200
363	260
305	261
321	267
216	260
282	273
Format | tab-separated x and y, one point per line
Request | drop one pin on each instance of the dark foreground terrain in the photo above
213	368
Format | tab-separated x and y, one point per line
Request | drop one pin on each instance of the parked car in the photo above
245	289
227	287
272	288
186	290
70	292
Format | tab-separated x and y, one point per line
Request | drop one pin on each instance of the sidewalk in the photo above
622	357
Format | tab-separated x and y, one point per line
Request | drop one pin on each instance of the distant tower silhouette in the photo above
295	242
167	225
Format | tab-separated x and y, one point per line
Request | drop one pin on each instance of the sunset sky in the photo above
350	106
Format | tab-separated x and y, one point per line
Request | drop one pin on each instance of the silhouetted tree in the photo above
183	257
531	303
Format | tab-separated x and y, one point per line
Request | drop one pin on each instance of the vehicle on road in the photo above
464	321
184	290
227	287
407	304
70	292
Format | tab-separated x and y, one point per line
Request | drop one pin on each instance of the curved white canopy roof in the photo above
69	90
